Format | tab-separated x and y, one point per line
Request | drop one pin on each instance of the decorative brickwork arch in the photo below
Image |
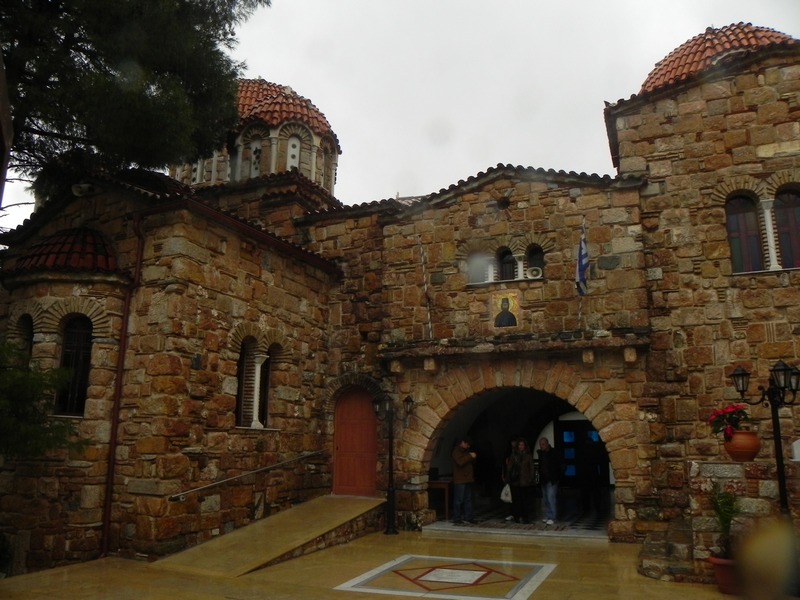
474	245
517	244
36	312
755	190
50	321
255	132
256	352
257	149
742	183
298	130
266	340
779	179
534	239
336	386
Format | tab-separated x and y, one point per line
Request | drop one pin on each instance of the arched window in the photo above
506	265
293	153
253	385
743	235
787	219
255	158
534	259
479	267
25	325
76	354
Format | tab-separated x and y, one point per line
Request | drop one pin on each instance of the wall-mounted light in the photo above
783	380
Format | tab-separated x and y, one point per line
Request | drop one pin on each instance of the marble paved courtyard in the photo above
438	564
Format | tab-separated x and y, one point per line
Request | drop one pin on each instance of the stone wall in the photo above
201	287
708	139
679	549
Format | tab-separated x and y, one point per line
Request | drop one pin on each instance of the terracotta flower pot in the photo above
726	573
743	445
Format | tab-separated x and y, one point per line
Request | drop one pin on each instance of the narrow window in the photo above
246	375
293	153
255	158
743	235
76	357
263	392
787	219
26	336
506	264
534	258
253	386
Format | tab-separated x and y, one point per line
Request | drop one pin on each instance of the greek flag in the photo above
582	264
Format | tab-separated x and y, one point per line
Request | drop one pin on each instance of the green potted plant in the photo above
725	505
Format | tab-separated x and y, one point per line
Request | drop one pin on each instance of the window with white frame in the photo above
506	265
743	234
786	210
252	395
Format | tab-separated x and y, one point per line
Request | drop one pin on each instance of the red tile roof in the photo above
275	104
706	49
69	250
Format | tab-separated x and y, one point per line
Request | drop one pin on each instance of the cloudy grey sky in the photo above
424	93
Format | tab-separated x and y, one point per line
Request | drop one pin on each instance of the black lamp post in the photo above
384	408
783	379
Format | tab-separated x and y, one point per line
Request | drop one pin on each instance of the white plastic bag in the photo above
505	495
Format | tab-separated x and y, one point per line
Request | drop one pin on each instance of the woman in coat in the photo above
519	474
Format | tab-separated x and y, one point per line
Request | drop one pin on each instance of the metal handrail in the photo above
182	496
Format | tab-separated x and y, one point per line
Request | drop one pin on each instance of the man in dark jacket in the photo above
463	480
551	467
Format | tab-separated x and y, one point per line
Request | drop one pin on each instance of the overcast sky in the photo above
424	93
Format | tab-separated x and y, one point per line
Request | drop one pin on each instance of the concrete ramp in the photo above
286	534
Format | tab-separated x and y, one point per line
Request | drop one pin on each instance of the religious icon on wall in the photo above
505	307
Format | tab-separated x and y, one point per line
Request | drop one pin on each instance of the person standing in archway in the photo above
463	481
520	476
551	467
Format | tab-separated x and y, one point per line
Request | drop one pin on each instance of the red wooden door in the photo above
355	445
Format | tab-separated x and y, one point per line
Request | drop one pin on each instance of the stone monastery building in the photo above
235	315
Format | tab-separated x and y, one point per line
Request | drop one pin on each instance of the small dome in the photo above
69	250
275	104
706	49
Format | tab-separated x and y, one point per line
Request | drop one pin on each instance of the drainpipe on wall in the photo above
117	398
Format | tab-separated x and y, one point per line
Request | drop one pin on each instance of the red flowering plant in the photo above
728	419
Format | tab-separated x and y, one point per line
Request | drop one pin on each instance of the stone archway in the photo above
497	417
597	391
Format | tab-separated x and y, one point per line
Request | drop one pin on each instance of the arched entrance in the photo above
495	417
355	444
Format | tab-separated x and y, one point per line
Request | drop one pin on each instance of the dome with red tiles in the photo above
708	48
275	104
78	249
